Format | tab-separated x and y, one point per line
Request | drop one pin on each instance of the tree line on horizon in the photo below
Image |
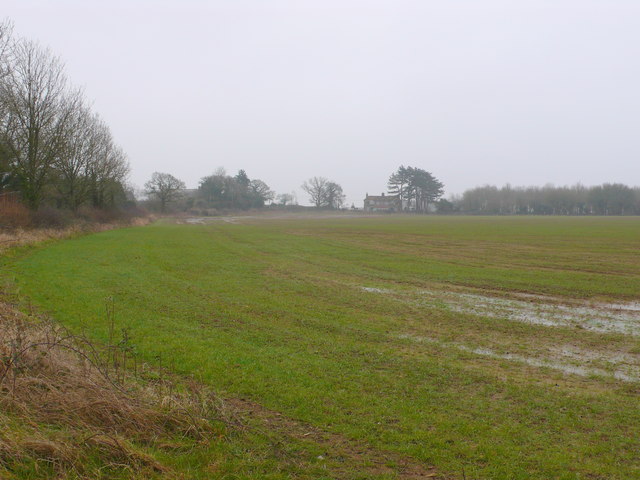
218	191
605	199
419	191
416	190
54	150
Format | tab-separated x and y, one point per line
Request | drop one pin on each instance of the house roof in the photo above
392	198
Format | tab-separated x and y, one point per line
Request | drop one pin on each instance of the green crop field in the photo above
485	348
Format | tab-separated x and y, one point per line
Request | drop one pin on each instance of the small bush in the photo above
14	215
96	215
132	212
50	217
112	215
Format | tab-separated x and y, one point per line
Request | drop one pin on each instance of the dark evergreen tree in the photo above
415	188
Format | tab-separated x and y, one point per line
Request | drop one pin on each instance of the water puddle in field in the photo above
533	309
376	290
632	307
604	318
212	220
573	352
195	221
548	311
622	367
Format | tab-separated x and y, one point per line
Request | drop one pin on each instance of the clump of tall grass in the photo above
73	400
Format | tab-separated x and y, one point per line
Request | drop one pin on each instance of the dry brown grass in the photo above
23	236
71	400
27	236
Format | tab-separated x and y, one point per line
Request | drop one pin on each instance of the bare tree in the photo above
107	167
316	188
6	29
324	193
164	187
80	149
6	33
285	199
36	104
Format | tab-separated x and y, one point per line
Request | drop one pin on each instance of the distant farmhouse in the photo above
382	203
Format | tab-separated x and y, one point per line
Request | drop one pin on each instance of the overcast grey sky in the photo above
475	91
